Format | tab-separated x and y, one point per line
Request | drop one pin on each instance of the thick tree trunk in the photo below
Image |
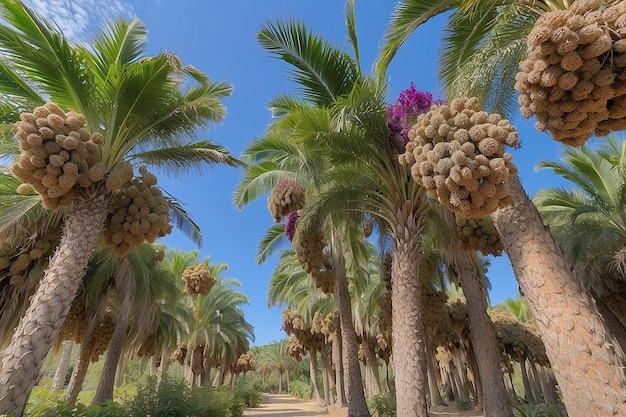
125	288
578	344
119	373
408	341
357	407
482	332
40	325
337	359
313	372
58	382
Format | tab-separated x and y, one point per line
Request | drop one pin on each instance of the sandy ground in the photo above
284	405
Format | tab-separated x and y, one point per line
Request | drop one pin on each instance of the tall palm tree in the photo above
539	265
140	106
274	356
588	221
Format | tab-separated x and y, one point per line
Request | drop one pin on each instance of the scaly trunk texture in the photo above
313	372
357	407
64	364
408	341
579	347
337	349
482	332
39	327
125	288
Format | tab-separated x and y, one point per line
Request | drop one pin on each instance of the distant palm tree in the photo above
274	356
140	106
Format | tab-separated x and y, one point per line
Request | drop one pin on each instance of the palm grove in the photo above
435	183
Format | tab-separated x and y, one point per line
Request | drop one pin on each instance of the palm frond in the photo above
322	71
183	220
273	238
38	50
407	16
351	26
283	104
180	159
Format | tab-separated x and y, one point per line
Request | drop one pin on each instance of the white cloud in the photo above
80	19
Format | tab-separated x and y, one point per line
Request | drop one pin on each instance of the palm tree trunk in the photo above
313	374
337	349
433	388
482	333
357	406
125	286
578	345
64	364
165	363
371	368
479	397
40	325
280	382
528	392
119	373
408	342
325	375
84	357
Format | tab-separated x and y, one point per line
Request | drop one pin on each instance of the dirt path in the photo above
284	405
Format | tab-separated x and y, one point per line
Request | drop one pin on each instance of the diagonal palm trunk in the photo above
587	368
408	341
483	335
64	364
40	326
357	406
125	286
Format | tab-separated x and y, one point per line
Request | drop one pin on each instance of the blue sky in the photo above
218	37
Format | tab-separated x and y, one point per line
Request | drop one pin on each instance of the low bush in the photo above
381	406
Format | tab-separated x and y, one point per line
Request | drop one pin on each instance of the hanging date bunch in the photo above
479	234
102	335
287	196
76	320
456	152
574	80
139	211
198	280
16	262
180	353
57	153
308	242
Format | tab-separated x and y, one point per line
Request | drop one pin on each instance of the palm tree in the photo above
551	289
588	221
274	356
139	105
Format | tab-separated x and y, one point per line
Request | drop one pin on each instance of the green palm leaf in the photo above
322	71
182	219
273	238
407	16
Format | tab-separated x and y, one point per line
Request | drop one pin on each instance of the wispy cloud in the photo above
79	19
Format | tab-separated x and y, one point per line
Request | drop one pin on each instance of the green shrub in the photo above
464	405
43	403
300	389
381	406
247	392
537	410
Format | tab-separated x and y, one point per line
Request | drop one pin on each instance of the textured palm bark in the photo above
125	288
408	342
357	407
578	345
58	382
482	333
337	359
40	325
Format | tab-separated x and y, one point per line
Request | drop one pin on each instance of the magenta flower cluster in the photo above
402	115
290	226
